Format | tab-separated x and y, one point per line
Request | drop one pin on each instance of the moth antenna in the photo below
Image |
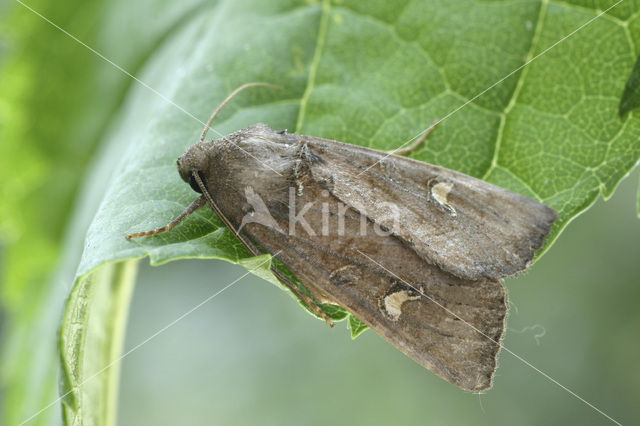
226	101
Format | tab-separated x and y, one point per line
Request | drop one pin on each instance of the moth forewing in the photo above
464	225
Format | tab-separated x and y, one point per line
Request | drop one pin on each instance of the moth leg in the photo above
409	149
197	203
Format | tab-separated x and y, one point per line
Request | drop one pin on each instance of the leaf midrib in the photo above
315	62
514	96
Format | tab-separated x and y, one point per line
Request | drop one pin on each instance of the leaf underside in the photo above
377	74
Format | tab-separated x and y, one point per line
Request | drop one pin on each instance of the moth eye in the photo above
194	184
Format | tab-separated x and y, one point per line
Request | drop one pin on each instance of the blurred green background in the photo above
251	355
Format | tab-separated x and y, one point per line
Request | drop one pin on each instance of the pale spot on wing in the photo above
393	303
440	192
346	275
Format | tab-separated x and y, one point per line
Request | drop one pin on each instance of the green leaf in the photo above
91	339
356	326
377	73
548	131
631	96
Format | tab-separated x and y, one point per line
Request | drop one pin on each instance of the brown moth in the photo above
414	250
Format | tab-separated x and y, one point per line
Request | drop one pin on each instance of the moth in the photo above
415	251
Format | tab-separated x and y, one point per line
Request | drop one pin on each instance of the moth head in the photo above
195	160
